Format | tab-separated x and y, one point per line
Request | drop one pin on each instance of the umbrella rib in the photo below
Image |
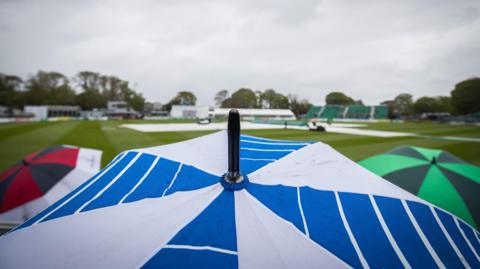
109	184
141	180
465	238
80	191
449	238
389	235
301	212
173	180
349	232
424	239
221	250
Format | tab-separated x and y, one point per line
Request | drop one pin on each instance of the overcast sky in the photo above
371	50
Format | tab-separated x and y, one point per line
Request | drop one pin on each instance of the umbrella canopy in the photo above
434	175
43	177
299	205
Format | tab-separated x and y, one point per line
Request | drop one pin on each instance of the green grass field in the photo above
20	139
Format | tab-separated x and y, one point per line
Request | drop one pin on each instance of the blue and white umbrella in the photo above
300	205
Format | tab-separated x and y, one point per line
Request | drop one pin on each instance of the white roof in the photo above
256	112
181	107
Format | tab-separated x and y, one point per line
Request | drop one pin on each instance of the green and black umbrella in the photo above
434	175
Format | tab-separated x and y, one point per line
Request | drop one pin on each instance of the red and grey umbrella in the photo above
42	177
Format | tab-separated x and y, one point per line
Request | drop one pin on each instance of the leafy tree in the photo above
271	99
106	88
242	98
391	108
425	104
88	80
338	98
358	102
42	89
403	104
114	88
220	97
134	100
432	104
184	98
299	107
466	96
63	95
445	103
90	99
10	91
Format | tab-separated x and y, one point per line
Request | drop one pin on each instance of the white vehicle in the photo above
204	121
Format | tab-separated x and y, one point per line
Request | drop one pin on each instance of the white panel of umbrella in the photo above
295	205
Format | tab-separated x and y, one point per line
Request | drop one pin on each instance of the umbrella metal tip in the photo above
234	120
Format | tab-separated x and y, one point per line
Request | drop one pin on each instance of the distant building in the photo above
44	112
13	113
252	113
155	111
189	112
4	112
120	109
94	114
157	106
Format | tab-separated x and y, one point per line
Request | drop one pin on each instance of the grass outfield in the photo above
20	139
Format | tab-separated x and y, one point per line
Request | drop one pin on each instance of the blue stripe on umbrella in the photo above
281	200
154	183
273	146
433	232
368	232
259	139
190	178
212	233
325	225
404	233
470	234
213	227
123	184
86	195
459	241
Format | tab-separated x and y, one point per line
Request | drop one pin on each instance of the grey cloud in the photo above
372	50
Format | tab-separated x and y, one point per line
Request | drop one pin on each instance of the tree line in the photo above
93	90
86	89
247	98
463	99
